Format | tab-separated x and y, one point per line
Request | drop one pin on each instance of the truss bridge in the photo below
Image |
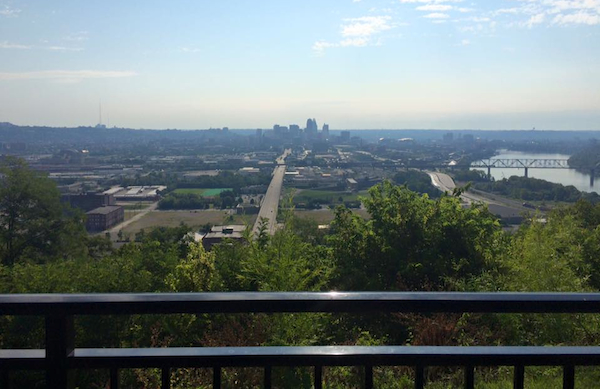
526	164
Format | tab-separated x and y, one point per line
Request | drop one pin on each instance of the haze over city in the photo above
362	64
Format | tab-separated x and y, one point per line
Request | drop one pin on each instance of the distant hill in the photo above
40	135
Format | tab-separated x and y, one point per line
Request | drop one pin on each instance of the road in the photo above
281	159
445	183
270	203
498	205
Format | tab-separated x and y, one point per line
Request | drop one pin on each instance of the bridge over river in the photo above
530	163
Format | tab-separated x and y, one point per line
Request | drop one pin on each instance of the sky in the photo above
355	64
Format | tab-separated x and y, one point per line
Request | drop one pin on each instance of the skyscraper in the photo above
294	130
259	136
311	127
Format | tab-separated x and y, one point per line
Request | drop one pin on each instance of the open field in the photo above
204	192
325	196
193	218
325	215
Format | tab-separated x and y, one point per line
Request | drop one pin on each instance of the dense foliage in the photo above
466	175
34	224
225	199
533	189
224	179
417	181
410	242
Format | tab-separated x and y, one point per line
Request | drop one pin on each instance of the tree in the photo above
195	272
34	224
412	242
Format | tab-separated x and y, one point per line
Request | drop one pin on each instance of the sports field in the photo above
204	192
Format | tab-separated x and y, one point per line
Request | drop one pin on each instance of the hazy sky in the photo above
501	64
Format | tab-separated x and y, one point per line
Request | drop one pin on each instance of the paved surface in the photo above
270	203
507	209
445	183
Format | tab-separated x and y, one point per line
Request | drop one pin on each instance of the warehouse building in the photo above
218	234
88	201
103	218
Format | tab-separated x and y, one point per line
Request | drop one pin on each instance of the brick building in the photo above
89	201
103	218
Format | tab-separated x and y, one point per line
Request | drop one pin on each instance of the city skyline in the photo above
362	64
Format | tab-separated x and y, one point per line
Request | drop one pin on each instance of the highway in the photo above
445	183
499	206
270	203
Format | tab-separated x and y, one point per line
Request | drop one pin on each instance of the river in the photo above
565	177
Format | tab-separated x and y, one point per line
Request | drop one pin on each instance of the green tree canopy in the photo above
412	242
34	224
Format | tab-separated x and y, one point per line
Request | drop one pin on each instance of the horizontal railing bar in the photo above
114	358
29	359
246	302
335	356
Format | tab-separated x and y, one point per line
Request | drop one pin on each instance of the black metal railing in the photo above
60	357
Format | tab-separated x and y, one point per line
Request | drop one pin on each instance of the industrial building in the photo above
136	193
88	201
219	233
103	218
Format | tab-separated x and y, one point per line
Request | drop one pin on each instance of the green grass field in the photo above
326	196
193	218
201	191
326	215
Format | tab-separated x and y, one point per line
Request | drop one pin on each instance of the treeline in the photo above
226	199
466	175
225	179
589	157
417	181
410	243
533	189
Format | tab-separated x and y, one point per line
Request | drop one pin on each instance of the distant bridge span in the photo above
527	163
489	164
522	163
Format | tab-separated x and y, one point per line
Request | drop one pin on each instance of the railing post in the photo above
318	377
165	378
569	377
114	378
469	377
216	377
4	379
268	374
368	377
419	377
60	343
519	382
